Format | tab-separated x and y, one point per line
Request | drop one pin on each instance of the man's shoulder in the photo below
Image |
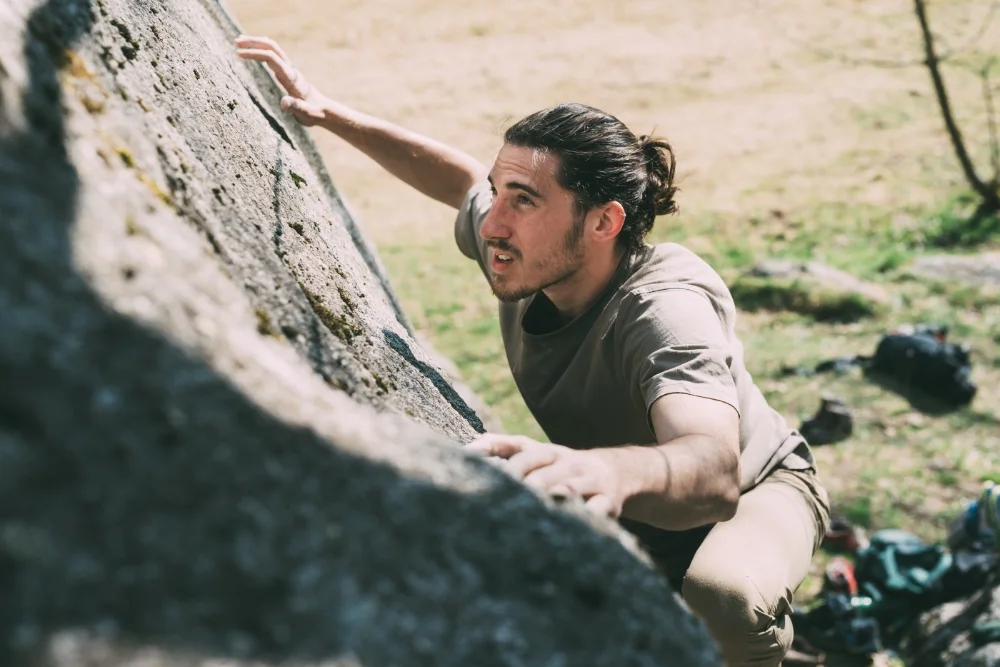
673	266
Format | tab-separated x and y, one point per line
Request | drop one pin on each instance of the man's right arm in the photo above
439	171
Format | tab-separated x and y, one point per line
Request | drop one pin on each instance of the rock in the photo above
810	288
219	443
448	368
943	637
980	269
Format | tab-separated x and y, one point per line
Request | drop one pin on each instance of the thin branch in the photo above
991	121
954	133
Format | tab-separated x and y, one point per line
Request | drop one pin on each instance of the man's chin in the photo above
510	294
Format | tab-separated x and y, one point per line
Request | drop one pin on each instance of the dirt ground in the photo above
769	104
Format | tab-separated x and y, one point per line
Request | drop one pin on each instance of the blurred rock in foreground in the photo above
219	444
964	633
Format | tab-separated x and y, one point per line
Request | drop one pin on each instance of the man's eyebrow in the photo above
514	185
521	186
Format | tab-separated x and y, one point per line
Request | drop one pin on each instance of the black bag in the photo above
926	361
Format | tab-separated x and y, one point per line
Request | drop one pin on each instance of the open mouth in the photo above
501	261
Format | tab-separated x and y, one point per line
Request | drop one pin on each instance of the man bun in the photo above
660	167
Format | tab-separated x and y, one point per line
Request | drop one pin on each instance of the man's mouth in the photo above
501	261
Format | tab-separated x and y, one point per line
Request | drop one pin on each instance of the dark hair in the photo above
601	160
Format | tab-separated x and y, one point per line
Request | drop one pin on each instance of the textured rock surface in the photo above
943	636
210	448
981	269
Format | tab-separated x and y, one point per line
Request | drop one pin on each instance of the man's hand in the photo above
557	470
303	100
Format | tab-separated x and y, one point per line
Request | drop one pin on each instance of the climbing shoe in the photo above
833	422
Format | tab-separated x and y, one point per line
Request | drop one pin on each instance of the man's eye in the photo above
524	200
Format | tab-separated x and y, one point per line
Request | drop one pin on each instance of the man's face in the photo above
533	229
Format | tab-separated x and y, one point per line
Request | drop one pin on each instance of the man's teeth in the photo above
504	258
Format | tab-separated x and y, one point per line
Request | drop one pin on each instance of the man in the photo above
625	353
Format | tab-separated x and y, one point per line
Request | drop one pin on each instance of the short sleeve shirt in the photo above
664	324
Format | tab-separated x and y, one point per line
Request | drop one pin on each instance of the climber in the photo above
626	354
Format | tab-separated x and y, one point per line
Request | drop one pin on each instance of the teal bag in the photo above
903	576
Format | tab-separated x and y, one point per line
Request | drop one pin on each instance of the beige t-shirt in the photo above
664	324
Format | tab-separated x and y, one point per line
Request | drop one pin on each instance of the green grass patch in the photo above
957	223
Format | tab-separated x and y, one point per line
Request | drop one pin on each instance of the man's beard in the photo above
568	263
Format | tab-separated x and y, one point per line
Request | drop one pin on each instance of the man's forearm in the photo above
438	171
688	482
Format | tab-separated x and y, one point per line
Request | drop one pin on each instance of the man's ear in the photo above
609	224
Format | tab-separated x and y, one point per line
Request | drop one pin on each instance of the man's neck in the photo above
575	295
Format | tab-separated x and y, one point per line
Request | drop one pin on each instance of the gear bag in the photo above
921	358
925	360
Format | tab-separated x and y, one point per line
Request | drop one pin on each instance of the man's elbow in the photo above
729	489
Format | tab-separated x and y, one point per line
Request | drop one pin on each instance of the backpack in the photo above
924	359
903	576
918	358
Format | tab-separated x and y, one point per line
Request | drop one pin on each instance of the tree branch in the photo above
933	66
991	122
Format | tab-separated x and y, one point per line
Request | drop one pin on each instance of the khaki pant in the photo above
740	578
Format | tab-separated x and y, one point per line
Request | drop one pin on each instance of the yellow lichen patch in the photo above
126	157
92	103
264	325
81	83
75	65
157	191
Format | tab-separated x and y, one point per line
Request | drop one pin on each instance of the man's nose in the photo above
494	226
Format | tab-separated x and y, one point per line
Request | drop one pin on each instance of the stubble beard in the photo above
568	263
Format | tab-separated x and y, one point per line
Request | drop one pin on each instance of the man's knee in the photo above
750	628
729	603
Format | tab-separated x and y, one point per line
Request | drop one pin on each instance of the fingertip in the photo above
600	504
561	492
288	102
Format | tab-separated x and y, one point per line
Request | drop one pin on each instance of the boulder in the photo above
979	269
219	442
811	288
947	636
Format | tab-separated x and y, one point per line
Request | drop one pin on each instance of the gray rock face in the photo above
219	444
944	636
981	269
822	276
